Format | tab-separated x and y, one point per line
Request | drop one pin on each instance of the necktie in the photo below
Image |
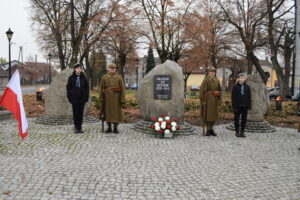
78	81
242	90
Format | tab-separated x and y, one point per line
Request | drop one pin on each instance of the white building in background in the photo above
297	65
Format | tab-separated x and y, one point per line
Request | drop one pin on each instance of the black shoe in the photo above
208	133
108	130
213	133
81	131
76	130
242	134
237	134
116	131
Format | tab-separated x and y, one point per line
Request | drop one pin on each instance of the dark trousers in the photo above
237	113
78	114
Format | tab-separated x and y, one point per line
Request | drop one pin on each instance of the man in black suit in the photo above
78	95
241	103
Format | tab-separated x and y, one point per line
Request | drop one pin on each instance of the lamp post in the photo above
9	35
137	70
50	78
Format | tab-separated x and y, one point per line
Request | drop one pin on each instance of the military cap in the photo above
112	65
241	74
211	69
77	65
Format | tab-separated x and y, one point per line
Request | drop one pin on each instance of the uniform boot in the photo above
116	128
108	130
210	130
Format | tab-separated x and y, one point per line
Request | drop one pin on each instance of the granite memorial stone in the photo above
162	92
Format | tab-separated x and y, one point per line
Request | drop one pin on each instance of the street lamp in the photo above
9	35
50	56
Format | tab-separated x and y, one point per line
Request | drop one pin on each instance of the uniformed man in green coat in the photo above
112	96
210	99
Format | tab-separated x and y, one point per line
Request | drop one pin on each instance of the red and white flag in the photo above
12	100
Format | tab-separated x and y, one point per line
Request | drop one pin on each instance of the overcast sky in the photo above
14	15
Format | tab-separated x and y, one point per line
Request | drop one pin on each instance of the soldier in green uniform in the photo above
210	99
112	96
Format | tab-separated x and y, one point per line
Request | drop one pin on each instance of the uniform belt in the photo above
215	93
115	89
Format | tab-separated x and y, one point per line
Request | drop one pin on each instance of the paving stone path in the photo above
54	163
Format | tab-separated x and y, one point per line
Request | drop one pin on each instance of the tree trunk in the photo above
61	55
284	87
122	63
185	82
250	64
258	67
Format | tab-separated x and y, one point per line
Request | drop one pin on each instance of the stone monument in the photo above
259	106
162	92
58	110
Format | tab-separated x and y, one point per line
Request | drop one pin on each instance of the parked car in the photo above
195	88
269	89
134	86
274	93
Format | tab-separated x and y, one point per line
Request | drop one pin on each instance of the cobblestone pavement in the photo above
54	163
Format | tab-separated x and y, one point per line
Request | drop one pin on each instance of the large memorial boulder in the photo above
162	92
56	101
259	98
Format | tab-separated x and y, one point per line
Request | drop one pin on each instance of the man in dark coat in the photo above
241	103
78	95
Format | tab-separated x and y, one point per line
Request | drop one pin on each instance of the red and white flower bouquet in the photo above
164	126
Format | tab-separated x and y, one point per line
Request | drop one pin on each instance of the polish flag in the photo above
12	100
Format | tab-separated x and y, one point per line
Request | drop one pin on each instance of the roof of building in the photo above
3	73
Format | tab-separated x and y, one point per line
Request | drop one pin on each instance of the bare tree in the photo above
209	32
50	20
248	18
66	24
277	31
121	38
165	20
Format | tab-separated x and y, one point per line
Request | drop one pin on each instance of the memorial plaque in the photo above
162	87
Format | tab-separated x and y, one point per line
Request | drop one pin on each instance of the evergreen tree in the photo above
150	60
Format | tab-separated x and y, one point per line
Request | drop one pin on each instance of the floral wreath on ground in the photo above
164	126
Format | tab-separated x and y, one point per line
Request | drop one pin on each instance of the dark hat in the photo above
211	69
112	65
77	65
241	74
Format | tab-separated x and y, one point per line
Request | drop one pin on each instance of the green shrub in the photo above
288	109
96	101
